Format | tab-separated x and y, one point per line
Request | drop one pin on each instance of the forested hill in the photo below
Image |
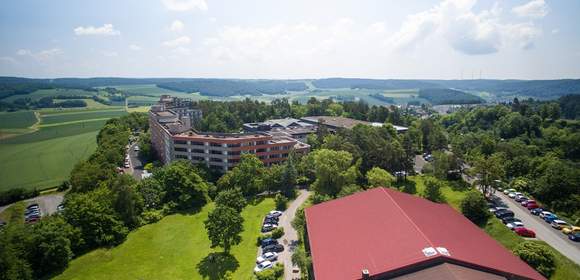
218	87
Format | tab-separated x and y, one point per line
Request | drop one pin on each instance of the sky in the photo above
291	39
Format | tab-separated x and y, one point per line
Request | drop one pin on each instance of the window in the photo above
181	156
274	148
275	156
285	147
234	145
215	159
215	144
234	153
263	157
180	149
285	155
261	150
198	158
180	142
198	151
197	143
213	152
261	143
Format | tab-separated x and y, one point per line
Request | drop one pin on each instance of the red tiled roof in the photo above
384	230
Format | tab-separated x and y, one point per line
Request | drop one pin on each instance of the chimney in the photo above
365	274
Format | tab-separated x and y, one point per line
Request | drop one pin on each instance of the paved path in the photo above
290	238
544	231
419	162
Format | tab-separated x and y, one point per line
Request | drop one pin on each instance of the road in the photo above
543	230
290	238
419	163
136	166
47	203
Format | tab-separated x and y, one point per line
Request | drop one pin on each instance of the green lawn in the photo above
20	119
176	247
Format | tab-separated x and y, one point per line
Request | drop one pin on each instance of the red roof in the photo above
384	230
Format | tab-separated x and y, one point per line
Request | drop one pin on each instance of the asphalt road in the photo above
290	238
47	203
543	230
136	166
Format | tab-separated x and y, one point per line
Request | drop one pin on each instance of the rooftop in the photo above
341	122
392	234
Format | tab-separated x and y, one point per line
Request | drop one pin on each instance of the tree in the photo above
224	225
233	198
93	214
433	190
182	185
333	170
289	177
151	192
247	175
86	175
281	202
537	256
474	207
348	190
489	170
378	177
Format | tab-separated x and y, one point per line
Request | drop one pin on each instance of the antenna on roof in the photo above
365	274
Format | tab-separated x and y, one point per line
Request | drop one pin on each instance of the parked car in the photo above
508	220
550	218
537	211
544	213
268	241
493	210
270	221
532	205
272	217
270	256
559	224
512	195
525	232
527	201
268	227
574	236
60	208
504	214
521	198
273	248
275	213
514	225
136	148
570	229
263	266
509	191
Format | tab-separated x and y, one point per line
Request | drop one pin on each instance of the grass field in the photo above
50	92
91	104
43	156
565	268
176	247
20	119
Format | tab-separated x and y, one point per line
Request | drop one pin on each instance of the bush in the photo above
17	194
262	237
474	207
433	191
278	232
281	202
537	256
273	273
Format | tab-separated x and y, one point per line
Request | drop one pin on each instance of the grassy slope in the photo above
565	268
170	249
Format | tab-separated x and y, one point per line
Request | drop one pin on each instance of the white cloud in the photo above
212	19
532	9
465	31
184	5
7	59
110	53
183	40
43	55
177	26
105	30
134	47
555	31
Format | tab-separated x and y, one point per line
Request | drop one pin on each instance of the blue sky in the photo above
447	39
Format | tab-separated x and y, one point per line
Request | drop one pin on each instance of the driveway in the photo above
290	238
419	163
136	166
543	230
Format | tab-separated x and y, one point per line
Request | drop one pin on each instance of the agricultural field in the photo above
51	92
177	247
41	155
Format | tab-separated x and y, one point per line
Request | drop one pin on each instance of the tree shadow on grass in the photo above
407	186
215	265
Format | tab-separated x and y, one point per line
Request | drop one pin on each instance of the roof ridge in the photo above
407	217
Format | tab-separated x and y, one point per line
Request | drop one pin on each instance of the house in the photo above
386	234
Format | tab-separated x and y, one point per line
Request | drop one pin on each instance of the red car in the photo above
525	232
532	205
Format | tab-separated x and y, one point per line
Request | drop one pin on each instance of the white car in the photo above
492	210
270	256
514	225
275	213
545	213
263	266
512	195
559	224
136	148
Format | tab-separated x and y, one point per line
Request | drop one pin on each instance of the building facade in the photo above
173	137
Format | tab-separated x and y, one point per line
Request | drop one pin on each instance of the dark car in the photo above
268	227
574	236
268	242
273	248
504	214
537	211
270	216
508	220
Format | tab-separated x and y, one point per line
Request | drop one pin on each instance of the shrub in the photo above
281	202
271	274
17	194
474	208
278	232
537	256
433	191
262	237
